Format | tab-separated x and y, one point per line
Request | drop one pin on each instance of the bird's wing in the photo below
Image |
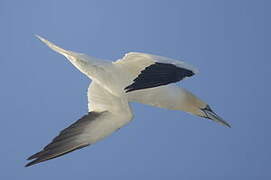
147	71
107	114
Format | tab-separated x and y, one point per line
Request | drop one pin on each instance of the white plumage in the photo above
137	77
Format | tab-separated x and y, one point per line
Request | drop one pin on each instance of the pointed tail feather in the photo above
55	47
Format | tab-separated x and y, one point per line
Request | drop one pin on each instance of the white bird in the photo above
137	77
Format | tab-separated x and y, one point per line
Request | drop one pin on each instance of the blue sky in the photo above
42	93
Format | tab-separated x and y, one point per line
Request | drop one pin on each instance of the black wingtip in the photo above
32	157
36	161
36	155
158	74
127	89
65	142
29	164
32	163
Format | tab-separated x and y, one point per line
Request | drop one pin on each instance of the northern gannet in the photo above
137	77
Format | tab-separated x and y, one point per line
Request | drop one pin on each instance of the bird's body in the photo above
137	77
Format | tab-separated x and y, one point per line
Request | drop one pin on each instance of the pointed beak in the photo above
210	114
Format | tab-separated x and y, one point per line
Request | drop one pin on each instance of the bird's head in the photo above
193	105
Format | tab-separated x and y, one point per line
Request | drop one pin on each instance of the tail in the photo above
86	64
95	69
56	48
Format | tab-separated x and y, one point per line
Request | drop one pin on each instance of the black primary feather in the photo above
159	74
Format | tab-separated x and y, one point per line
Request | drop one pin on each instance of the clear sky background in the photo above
42	93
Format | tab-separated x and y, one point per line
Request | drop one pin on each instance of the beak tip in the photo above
227	125
210	114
